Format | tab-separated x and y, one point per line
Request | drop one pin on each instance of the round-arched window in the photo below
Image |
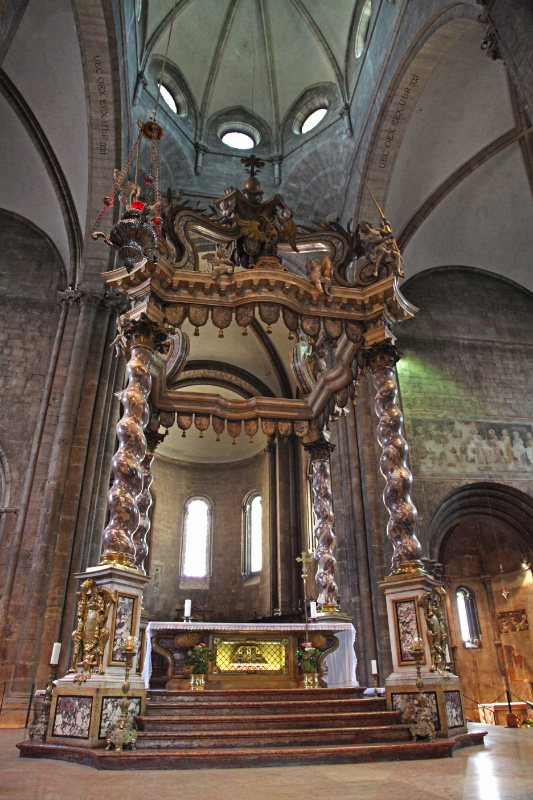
253	534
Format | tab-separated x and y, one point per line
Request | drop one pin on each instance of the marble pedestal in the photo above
407	620
83	714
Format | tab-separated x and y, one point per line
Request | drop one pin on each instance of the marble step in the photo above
281	707
227	695
266	721
221	758
300	737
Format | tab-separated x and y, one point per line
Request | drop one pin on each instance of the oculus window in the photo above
313	119
168	98
196	543
253	534
362	28
468	619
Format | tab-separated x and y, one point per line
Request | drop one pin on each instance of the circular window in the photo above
362	28
313	119
238	140
168	98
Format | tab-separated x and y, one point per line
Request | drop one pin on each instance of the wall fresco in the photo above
471	446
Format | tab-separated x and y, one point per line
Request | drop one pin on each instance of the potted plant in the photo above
199	657
308	661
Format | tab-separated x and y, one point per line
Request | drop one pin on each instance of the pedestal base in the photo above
407	621
84	715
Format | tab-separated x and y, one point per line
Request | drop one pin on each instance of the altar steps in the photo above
151	740
312	719
227	695
204	708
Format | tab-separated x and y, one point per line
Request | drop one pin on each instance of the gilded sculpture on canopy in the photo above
378	245
90	635
433	605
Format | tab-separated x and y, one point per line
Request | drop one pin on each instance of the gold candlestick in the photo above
40	727
305	560
423	725
123	732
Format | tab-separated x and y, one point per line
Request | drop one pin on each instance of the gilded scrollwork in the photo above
91	635
434	609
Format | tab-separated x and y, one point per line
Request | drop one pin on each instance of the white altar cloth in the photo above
341	663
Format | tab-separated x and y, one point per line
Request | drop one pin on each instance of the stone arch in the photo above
481	499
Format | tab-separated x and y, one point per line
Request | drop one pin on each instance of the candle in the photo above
187	609
54	658
374	667
312	609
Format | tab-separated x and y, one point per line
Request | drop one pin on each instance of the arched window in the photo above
253	534
468	619
196	543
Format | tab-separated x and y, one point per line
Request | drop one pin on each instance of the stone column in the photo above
402	525
144	501
140	339
328	598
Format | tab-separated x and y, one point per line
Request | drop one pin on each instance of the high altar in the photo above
350	306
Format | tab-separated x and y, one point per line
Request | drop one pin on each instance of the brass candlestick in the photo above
375	681
305	560
40	727
123	732
423	725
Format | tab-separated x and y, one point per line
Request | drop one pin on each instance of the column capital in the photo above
153	440
384	354
140	333
320	449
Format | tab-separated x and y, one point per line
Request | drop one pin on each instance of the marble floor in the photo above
502	770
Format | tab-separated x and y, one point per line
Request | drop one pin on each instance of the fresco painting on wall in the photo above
513	621
514	661
471	446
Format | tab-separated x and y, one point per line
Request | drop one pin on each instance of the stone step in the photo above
205	707
228	695
256	722
300	737
250	757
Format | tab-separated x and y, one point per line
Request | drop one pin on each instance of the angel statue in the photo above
91	634
379	246
221	262
319	273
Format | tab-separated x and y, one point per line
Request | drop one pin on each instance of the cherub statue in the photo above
127	190
220	261
319	273
379	246
82	598
119	342
316	360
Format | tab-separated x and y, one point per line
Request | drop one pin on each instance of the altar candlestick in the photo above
187	609
374	667
54	658
312	609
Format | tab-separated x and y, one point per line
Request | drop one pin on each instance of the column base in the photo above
445	701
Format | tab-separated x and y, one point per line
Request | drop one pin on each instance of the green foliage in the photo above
307	657
199	655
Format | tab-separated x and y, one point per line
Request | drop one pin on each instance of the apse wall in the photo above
465	382
229	596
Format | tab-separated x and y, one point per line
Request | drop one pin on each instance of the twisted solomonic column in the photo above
139	339
144	501
328	598
402	526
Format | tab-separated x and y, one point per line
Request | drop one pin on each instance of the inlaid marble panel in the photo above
72	717
454	710
404	702
123	623
406	628
111	713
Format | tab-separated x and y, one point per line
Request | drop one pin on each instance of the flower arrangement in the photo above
307	657
199	655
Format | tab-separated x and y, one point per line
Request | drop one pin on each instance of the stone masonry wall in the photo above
230	596
465	381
